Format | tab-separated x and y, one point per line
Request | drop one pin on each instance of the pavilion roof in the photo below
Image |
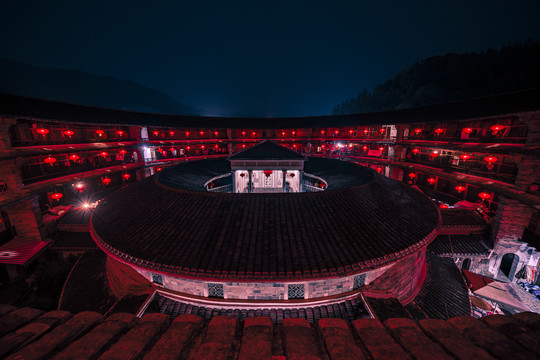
267	150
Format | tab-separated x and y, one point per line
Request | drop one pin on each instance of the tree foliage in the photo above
453	77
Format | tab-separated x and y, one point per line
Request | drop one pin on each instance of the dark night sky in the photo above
265	58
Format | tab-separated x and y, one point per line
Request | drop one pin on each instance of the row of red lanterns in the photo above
488	159
459	188
99	132
74	157
467	130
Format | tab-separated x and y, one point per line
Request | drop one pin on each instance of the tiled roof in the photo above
70	240
32	334
76	219
520	101
267	150
470	244
264	236
459	221
21	251
349	310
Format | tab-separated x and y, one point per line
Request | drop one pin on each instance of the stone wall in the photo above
267	290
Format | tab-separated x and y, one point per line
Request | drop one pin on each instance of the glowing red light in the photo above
123	152
336	132
434	154
243	133
484	195
293	133
216	133
465	156
105	180
366	131
158	169
203	147
74	157
351	131
120	133
172	149
283	133
79	187
188	148
322	132
50	160
415	151
171	133
381	148
69	132
244	146
382	130
490	159
126	176
156	133
439	131
412	175
460	188
418	130
444	206
56	196
431	180
42	131
187	133
379	169
253	133
104	153
201	133
216	146
497	127
100	132
467	130
294	146
364	148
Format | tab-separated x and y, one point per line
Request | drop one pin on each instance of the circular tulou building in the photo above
266	225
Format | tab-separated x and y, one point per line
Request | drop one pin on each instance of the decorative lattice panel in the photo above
215	290
296	291
359	281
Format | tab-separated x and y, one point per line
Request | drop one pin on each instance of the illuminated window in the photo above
296	291
157	279
359	281
215	290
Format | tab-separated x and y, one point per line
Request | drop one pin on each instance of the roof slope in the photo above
267	150
264	236
32	334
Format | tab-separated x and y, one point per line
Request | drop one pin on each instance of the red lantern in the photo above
100	132
123	152
50	160
444	206
203	147
243	146
242	175
56	196
126	176
322	132
364	148
156	133
74	157
171	149
267	173
382	130
79	187
465	156
291	175
171	133
201	133
105	180
216	146
322	185
417	131
283	133
497	127
188	148
460	188
439	131
490	159
243	133
484	195
293	133
431	180
467	130
434	154
379	169
415	151
158	169
69	132
120	133
336	132
412	175
104	153
42	131
351	131
253	133
187	133
294	146
381	148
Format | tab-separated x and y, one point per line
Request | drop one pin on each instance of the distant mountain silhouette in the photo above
453	77
83	88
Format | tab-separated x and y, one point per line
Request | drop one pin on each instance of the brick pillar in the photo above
26	217
511	219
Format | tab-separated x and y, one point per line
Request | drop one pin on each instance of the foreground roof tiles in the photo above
263	236
33	334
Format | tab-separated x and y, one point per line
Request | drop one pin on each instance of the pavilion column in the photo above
233	176
284	179
300	181
250	182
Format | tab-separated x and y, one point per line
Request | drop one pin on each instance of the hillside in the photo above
80	87
453	77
